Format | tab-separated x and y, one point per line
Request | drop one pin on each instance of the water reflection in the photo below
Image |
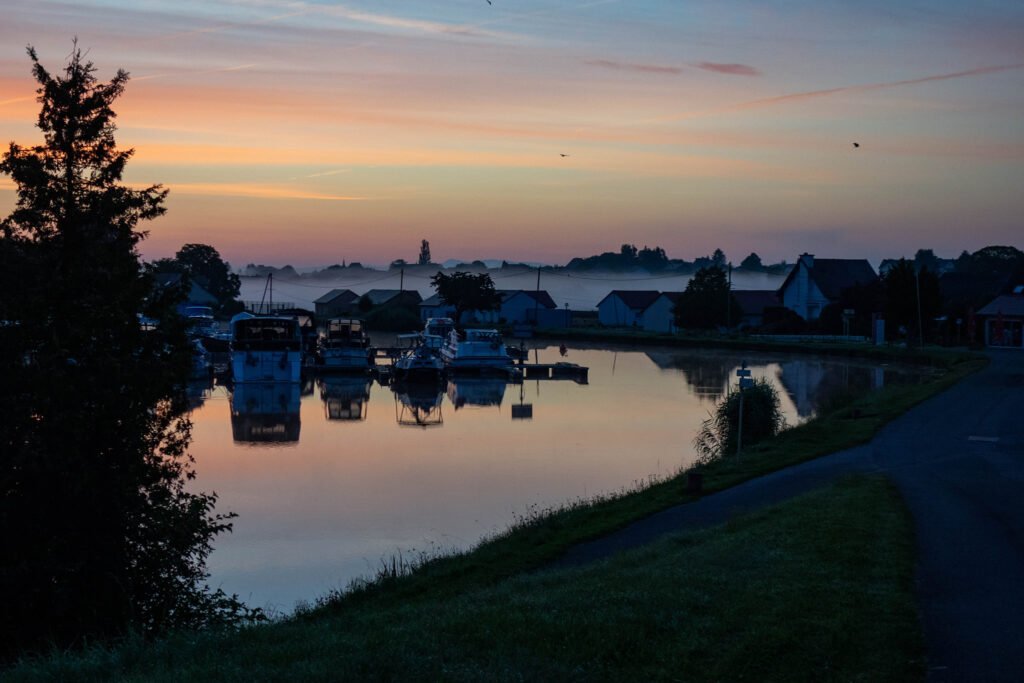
265	412
814	386
198	390
318	513
707	375
418	404
345	397
476	391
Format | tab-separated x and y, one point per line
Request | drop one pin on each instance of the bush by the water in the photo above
762	418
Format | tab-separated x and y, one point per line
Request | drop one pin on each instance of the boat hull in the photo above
266	366
345	359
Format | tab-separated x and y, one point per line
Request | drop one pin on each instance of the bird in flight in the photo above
563	155
856	145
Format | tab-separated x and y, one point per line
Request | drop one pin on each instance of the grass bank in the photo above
929	355
819	588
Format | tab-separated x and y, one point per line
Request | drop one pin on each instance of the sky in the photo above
311	133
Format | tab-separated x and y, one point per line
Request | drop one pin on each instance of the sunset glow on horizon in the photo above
309	133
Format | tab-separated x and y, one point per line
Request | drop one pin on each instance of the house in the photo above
388	298
197	295
520	306
1003	320
660	314
433	307
753	303
336	303
517	305
624	308
813	283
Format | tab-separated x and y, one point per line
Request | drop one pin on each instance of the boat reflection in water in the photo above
345	397
265	412
418	404
476	391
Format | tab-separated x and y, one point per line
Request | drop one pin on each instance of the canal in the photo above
330	477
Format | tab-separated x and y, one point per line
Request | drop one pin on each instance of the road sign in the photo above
743	372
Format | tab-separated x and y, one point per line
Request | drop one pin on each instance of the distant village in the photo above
973	299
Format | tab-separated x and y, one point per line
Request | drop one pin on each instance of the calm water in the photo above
329	478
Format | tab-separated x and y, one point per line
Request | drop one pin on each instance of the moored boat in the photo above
476	350
265	349
344	345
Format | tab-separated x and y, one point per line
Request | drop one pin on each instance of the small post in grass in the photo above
745	381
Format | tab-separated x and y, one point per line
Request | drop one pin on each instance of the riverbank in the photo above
929	355
819	588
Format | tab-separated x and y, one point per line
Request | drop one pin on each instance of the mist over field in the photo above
581	291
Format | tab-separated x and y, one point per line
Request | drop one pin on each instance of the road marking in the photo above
986	439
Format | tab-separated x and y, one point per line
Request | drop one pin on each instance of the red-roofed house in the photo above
1004	320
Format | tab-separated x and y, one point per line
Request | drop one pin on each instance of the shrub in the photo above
762	418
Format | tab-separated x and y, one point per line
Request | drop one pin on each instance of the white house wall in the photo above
803	296
613	312
658	317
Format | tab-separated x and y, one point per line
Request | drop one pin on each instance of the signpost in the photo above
746	381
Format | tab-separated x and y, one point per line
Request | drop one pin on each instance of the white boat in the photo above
265	348
476	350
344	345
419	364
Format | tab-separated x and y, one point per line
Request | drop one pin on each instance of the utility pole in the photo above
917	285
728	301
536	301
401	280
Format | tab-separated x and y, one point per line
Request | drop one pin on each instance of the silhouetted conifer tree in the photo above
99	533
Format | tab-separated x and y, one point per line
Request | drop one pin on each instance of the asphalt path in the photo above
958	460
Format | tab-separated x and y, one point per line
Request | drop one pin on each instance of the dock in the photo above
570	371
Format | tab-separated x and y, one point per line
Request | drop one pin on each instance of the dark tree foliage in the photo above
203	264
467	292
903	287
752	262
424	253
628	257
100	535
864	300
707	302
718	259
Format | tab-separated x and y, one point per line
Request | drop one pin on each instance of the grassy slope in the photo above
817	589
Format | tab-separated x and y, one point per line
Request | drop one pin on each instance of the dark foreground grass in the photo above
816	589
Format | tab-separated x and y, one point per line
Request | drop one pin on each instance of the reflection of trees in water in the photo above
707	375
819	386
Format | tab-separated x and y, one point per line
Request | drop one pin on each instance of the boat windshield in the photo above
265	329
344	329
439	327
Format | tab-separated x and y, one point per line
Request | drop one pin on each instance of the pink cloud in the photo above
731	69
811	94
626	66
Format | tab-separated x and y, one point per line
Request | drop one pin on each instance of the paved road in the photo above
958	460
